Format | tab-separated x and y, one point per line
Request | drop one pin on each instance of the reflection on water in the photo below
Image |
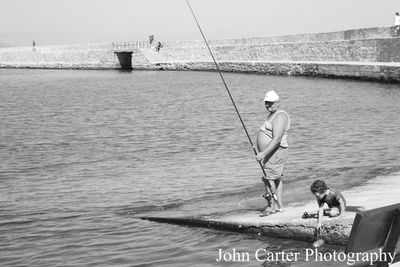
85	153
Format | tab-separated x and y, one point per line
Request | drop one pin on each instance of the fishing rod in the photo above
233	102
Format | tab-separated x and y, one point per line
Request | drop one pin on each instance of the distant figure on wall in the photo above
33	45
151	39
396	28
158	47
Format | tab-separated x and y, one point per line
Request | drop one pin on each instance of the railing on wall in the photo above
130	46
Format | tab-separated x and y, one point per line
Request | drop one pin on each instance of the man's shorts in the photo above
275	164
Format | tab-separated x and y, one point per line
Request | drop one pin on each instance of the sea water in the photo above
85	154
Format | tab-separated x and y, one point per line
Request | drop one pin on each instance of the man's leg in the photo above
271	204
278	190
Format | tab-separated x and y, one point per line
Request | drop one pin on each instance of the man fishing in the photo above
272	145
272	148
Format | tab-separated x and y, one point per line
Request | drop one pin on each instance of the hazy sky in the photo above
83	21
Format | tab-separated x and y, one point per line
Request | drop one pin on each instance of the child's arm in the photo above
320	214
342	206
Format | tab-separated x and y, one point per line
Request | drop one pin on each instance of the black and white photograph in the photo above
199	133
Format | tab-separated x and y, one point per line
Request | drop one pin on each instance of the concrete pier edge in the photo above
290	224
334	231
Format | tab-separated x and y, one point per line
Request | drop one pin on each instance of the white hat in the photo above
271	96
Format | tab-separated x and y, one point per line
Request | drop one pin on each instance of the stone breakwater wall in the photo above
364	50
351	70
369	54
372	54
88	56
367	33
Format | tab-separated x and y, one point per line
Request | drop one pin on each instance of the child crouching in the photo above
334	199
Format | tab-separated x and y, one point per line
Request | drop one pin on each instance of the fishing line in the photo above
233	102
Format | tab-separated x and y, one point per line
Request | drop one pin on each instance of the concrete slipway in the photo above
378	192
